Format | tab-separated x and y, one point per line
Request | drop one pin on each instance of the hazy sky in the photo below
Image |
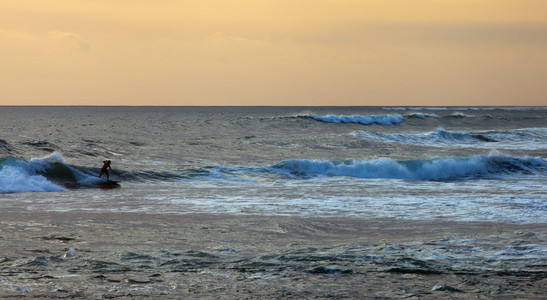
273	52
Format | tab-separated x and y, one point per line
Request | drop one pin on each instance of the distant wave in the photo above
529	138
368	119
433	137
48	174
436	108
431	108
442	169
421	115
459	115
5	147
417	108
483	108
393	108
43	145
364	120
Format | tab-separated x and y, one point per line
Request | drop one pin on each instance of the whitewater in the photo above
483	164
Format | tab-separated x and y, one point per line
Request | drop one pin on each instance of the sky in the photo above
273	52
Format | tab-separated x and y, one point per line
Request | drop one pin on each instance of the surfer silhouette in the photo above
104	169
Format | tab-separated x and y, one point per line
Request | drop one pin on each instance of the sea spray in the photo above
18	180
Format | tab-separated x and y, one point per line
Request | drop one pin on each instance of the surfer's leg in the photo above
107	175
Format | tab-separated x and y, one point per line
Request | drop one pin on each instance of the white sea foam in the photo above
18	180
46	174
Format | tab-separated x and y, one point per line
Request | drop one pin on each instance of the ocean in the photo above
453	163
273	202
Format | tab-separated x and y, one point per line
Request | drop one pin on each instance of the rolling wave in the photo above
433	108
442	169
19	180
48	174
364	120
5	147
392	119
421	116
51	174
528	138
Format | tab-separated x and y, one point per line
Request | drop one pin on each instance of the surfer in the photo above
104	169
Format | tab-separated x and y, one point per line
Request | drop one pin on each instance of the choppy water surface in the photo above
462	164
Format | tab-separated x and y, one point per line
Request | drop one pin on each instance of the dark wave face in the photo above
48	174
458	168
52	174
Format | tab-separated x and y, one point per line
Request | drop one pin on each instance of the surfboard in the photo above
109	184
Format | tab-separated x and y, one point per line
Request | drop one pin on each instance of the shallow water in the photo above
125	255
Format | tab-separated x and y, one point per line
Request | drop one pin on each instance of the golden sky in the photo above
273	52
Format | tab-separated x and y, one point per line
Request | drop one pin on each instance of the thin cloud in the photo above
463	34
75	41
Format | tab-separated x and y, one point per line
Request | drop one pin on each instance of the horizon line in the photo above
30	105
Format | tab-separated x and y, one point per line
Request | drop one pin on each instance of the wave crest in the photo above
17	180
48	174
365	120
442	169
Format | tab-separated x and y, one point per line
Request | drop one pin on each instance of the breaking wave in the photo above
368	119
442	169
51	173
364	120
48	174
